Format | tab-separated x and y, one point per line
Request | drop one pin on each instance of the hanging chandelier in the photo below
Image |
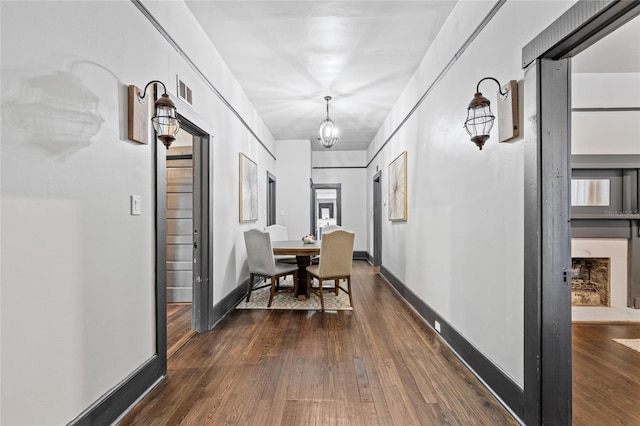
328	132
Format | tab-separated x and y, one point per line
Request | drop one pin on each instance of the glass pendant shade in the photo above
328	132
479	120
165	121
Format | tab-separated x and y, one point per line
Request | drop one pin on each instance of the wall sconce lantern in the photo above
165	121
480	117
328	132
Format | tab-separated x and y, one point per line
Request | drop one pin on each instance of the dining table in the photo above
303	253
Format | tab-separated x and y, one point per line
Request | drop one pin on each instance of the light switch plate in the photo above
136	205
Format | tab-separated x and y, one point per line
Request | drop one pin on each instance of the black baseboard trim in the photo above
360	255
501	385
369	258
107	409
226	305
111	406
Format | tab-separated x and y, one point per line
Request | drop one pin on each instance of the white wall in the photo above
461	250
293	186
605	132
77	298
346	168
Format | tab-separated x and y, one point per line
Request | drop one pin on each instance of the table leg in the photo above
303	262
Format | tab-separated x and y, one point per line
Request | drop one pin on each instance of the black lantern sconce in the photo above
164	120
480	118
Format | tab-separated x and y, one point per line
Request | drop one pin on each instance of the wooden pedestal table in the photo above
303	253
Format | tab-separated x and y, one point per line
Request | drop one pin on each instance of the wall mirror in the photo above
590	192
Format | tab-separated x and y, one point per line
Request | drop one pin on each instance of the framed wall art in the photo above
248	189
398	188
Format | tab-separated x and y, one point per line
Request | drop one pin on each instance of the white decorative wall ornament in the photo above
398	188
248	189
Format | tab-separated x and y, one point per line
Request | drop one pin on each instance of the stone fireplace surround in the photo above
590	281
616	249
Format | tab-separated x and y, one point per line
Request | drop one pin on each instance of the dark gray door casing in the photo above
377	219
202	231
547	308
271	199
314	213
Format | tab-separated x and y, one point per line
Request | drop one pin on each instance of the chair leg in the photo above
349	288
336	285
309	284
250	286
321	296
274	282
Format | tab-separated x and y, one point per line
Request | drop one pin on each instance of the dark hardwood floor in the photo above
179	329
377	365
606	375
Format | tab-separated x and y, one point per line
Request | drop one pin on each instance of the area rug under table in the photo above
286	300
630	343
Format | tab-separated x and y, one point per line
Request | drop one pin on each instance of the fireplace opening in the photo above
590	281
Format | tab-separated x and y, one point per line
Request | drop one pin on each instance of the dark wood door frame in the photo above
547	309
314	214
202	230
377	219
203	239
271	199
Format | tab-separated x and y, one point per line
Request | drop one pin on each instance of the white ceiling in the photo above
618	52
287	55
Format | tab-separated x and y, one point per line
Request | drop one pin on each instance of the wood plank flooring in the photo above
179	329
377	365
606	375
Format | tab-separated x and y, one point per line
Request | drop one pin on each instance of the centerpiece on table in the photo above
308	239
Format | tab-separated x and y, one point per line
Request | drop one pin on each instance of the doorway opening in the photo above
271	199
604	215
377	220
326	206
179	263
605	88
547	275
183	238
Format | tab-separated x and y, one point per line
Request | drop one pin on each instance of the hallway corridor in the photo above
377	365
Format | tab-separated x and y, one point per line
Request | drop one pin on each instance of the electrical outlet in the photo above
437	325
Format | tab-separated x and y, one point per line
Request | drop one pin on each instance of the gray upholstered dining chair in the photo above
262	263
336	259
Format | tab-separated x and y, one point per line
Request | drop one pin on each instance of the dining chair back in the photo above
336	254
259	252
262	263
278	232
330	228
336	260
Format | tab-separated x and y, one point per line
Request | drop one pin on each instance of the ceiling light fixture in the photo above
164	121
328	132
480	118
